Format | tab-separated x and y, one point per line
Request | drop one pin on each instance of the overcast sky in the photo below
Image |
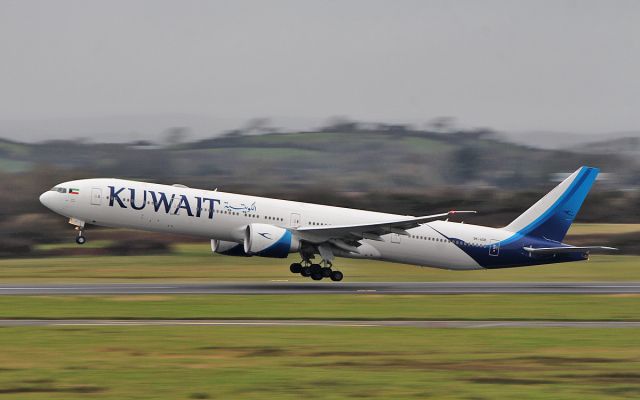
511	65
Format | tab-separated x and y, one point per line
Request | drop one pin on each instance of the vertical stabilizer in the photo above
552	215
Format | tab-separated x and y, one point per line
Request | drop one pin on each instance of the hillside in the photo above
354	161
365	161
626	145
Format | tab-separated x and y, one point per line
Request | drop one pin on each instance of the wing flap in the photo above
371	231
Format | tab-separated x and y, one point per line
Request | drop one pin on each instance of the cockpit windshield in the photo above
58	189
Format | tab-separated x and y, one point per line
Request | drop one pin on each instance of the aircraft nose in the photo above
45	199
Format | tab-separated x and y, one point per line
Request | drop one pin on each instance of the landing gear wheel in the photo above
316	276
295	268
326	272
305	271
81	239
336	276
316	268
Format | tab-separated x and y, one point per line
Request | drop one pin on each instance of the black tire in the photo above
336	276
81	240
326	272
295	268
305	271
316	276
316	268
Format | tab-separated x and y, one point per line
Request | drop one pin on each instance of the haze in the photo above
91	68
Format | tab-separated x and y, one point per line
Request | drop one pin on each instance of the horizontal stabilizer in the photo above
567	249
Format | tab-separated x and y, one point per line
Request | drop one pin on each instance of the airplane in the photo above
240	225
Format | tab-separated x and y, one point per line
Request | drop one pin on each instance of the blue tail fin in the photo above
552	215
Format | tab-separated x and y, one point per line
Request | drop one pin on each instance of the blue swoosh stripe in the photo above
279	249
575	185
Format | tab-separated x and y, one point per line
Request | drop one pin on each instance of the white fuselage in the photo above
189	211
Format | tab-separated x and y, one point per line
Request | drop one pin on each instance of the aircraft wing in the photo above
371	231
567	249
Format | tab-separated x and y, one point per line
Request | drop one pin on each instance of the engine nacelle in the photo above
269	241
228	248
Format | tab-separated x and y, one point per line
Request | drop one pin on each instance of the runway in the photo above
294	288
335	323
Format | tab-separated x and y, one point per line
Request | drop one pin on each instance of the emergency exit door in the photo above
295	220
395	238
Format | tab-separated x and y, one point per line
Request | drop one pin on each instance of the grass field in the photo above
363	307
194	262
324	362
224	362
603	229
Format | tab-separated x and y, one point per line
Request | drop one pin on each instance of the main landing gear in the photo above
316	271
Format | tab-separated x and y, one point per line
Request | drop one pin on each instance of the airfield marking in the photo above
179	323
292	288
425	324
489	325
76	287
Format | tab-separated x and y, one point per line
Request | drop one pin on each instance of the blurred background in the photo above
409	107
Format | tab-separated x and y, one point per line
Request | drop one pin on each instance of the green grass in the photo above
603	229
323	362
426	145
189	362
13	166
93	244
362	306
315	139
297	139
15	148
262	153
194	262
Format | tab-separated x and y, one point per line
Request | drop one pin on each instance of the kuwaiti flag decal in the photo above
74	191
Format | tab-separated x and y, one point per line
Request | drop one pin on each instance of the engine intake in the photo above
228	248
265	240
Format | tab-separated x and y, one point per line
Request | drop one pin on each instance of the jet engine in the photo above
269	241
228	248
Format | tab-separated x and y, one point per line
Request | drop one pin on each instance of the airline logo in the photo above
160	202
74	191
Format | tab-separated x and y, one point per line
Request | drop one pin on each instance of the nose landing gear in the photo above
80	239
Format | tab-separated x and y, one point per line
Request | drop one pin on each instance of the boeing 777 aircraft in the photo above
240	225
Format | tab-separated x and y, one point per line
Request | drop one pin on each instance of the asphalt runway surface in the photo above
292	288
343	323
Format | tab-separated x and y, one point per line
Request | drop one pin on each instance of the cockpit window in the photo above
58	189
